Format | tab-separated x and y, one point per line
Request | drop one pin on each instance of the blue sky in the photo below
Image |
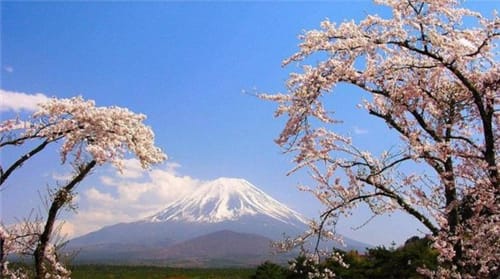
191	68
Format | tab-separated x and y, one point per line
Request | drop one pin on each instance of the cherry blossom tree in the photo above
89	136
432	75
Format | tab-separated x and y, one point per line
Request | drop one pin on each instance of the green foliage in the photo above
359	266
384	263
156	272
269	270
378	263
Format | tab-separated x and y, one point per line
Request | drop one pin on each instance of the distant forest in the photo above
380	262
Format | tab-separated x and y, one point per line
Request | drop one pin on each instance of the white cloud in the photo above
99	197
8	69
132	169
61	232
17	101
172	167
359	131
129	196
66	229
61	176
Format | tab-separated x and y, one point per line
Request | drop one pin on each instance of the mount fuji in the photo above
227	221
227	199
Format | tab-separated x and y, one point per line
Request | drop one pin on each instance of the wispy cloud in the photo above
8	69
59	176
18	101
132	169
128	196
359	131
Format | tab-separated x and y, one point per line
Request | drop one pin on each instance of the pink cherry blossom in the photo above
435	82
88	136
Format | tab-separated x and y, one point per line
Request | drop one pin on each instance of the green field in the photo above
153	272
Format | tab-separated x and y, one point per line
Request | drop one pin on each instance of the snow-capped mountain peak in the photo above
226	199
219	216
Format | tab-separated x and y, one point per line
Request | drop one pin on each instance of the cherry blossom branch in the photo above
408	208
327	214
426	155
21	160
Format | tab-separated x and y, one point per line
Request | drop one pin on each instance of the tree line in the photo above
376	263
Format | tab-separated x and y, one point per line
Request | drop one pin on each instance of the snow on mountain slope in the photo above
226	199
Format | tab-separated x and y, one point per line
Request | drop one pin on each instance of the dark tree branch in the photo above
62	196
326	215
408	208
20	161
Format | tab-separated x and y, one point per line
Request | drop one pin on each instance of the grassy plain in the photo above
154	272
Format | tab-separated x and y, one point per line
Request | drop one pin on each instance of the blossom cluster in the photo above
16	240
106	133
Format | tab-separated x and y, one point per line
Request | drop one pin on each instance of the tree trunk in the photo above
62	196
2	255
453	214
